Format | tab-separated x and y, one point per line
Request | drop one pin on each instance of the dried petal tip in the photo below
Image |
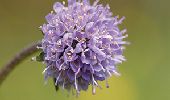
82	45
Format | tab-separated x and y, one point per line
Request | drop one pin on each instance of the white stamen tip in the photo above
39	47
44	71
33	59
64	2
116	73
93	90
40	27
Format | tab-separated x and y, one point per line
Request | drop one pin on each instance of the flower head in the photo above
82	44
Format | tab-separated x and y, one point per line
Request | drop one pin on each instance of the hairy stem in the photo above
17	59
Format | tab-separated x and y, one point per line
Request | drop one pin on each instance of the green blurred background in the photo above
145	75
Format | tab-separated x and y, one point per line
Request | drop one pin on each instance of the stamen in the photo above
120	57
107	85
61	66
115	32
124	31
116	73
45	69
40	27
122	37
59	42
75	81
56	83
38	47
123	42
109	73
117	60
92	68
69	53
64	84
64	2
102	67
116	45
93	85
120	21
96	2
93	90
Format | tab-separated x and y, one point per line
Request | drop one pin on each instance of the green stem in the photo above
17	59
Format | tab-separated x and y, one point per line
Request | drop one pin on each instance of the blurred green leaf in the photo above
40	57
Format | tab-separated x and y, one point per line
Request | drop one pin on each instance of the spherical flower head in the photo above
82	44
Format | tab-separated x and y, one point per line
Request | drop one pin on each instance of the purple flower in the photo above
82	44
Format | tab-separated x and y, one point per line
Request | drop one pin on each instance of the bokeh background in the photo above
145	75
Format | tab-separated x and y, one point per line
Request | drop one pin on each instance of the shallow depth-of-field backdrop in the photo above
145	75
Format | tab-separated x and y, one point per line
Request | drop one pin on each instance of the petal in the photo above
78	48
86	76
80	36
49	17
85	58
69	55
99	78
58	7
75	65
71	2
68	39
89	27
96	2
83	84
101	58
97	50
59	63
60	29
86	1
59	46
65	66
85	68
70	75
97	67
